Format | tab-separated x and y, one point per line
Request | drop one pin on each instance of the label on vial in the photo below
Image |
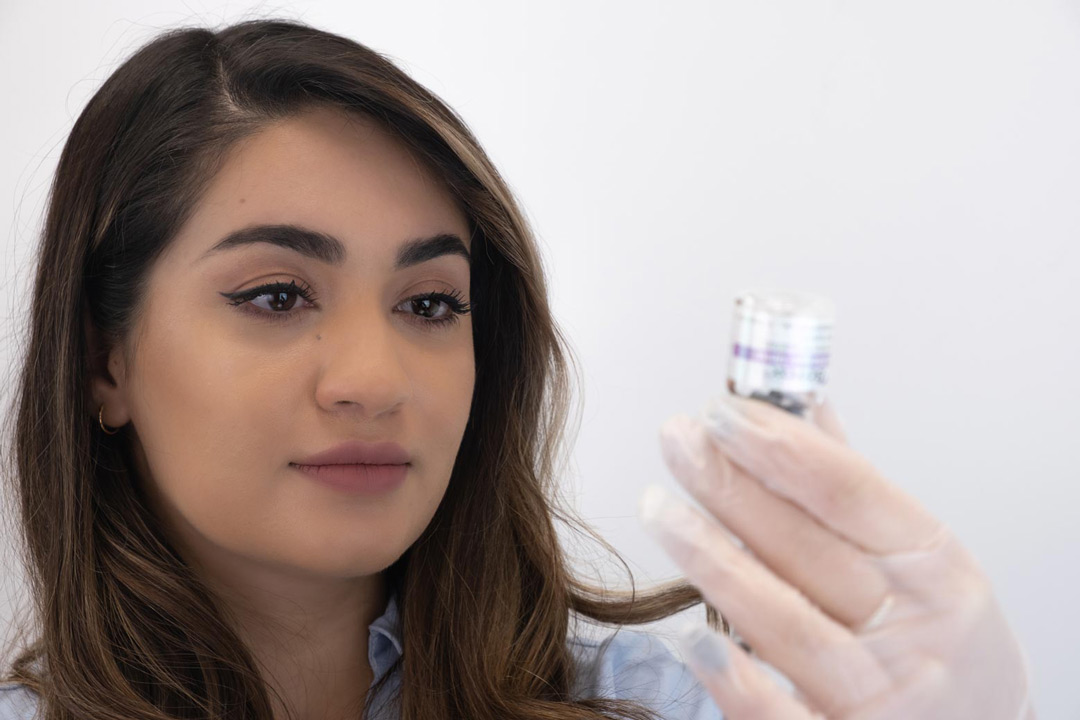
787	354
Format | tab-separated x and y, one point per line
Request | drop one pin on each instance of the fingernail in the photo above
659	510
723	417
705	648
681	442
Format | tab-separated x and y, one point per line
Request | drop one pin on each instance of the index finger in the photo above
822	474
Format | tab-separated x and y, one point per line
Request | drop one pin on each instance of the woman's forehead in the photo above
323	156
325	171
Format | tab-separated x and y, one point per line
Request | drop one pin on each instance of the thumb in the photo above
826	418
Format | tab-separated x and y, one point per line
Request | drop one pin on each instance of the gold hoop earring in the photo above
102	423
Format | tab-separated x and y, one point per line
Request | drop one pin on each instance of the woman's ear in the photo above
107	373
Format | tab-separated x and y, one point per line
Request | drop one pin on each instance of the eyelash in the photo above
242	299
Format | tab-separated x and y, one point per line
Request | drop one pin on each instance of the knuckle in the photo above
781	452
800	633
726	488
976	594
845	495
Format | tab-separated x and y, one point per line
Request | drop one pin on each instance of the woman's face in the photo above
225	398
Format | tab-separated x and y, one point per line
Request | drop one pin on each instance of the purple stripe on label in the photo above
780	357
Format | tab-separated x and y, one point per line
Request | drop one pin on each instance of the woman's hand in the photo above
868	604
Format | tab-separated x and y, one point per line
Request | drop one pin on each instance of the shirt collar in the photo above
384	638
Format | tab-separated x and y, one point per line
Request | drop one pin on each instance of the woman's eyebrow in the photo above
328	249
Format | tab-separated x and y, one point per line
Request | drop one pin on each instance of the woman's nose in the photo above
363	363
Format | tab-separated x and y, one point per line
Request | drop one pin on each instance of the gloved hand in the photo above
846	584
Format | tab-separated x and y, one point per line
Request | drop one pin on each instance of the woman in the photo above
288	433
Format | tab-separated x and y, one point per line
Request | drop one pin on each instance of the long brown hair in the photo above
123	627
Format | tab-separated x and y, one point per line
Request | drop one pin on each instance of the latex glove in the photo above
846	585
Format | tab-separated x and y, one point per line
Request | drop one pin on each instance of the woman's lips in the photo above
358	452
358	478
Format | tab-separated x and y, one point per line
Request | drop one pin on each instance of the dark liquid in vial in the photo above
784	401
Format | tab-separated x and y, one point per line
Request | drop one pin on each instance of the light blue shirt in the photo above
628	664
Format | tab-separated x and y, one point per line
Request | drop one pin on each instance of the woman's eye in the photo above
428	305
432	310
279	302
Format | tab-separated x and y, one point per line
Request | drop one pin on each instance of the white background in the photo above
916	162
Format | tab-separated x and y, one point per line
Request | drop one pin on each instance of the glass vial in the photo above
781	341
